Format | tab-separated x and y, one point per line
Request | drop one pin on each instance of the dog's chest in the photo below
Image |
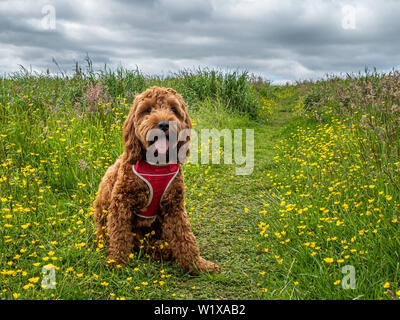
157	178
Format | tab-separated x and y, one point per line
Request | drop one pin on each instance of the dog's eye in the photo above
174	110
148	111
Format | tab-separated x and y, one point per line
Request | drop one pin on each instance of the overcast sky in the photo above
277	39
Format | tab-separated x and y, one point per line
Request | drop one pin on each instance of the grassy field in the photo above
320	208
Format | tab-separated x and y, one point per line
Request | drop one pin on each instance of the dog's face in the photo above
157	115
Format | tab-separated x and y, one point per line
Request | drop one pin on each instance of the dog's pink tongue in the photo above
162	145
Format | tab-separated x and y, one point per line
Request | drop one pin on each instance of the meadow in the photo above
317	219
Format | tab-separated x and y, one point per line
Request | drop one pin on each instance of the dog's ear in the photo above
132	145
188	122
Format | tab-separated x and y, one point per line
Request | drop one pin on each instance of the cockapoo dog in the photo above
140	204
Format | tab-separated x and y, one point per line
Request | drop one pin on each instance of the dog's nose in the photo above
163	125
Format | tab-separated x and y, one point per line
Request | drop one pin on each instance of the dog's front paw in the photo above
205	266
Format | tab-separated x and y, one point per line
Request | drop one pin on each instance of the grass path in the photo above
226	229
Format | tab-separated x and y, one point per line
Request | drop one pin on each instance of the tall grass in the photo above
371	104
236	91
232	89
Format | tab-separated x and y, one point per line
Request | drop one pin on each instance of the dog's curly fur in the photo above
122	194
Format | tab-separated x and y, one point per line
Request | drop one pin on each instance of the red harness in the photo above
158	178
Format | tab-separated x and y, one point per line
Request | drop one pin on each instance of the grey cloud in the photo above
183	11
284	39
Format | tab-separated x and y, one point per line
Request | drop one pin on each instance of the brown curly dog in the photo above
140	205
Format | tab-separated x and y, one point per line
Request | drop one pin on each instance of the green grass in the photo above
312	205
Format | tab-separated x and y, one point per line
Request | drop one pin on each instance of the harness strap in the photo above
158	178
